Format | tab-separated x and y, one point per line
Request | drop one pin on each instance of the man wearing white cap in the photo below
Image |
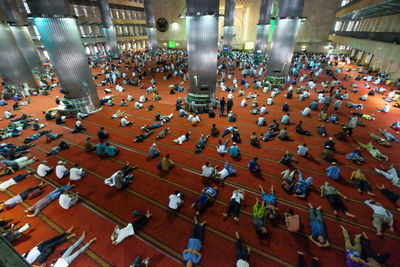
333	171
125	122
43	169
61	171
153	151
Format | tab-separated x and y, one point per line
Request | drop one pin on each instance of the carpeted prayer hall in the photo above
136	154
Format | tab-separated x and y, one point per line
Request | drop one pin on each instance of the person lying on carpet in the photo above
8	114
380	216
388	135
164	118
122	178
44	202
12	166
274	126
380	140
353	252
327	154
14	232
36	125
222	147
50	136
391	195
373	150
300	129
140	138
317	236
79	128
335	199
300	188
10	152
361	182
391	174
228	130
182	138
234	204
67	258
162	133
148	128
43	250
291	221
192	254
201	144
206	199
369	255
117	114
260	219
34	137
57	149
132	228
355	156
13	181
60	119
242	252
28	193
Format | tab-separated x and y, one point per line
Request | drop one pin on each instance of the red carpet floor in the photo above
165	236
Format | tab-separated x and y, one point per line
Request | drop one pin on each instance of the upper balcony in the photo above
361	9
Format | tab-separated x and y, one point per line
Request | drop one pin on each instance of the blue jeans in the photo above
203	199
229	169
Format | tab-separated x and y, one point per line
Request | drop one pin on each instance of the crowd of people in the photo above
318	81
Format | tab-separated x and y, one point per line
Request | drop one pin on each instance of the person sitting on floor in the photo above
79	128
317	227
287	159
153	151
89	146
254	140
111	151
261	121
285	119
124	122
122	178
300	129
253	165
138	105
166	164
234	151
214	131
322	130
132	228
176	200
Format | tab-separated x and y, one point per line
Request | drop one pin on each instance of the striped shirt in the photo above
328	190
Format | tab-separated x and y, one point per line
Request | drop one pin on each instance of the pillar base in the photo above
276	82
83	104
197	102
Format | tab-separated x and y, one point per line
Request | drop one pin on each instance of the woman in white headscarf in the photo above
78	127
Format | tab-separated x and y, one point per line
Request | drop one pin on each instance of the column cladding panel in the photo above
229	19
263	26
27	47
13	67
61	38
150	25
202	46
228	38
108	27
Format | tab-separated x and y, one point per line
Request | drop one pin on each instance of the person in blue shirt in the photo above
285	119
111	151
234	150
192	254
317	227
322	130
285	107
253	165
300	188
333	171
270	198
101	149
314	105
208	195
294	82
243	81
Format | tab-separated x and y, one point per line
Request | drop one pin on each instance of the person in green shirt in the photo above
259	219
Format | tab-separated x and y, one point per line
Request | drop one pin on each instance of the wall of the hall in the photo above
313	33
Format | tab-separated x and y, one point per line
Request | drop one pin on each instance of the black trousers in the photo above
139	223
242	253
367	252
336	203
47	247
301	262
197	232
391	195
234	207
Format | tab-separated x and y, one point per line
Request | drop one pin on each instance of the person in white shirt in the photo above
306	111
302	150
230	96
76	173
67	200
142	99
352	124
61	171
261	121
263	110
130	229
138	105
234	204
208	171
125	122
380	216
306	94
321	99
270	101
182	138
8	115
385	109
225	172
345	96
175	200
119	88
222	149
243	103
12	181
129	97
67	258
43	169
